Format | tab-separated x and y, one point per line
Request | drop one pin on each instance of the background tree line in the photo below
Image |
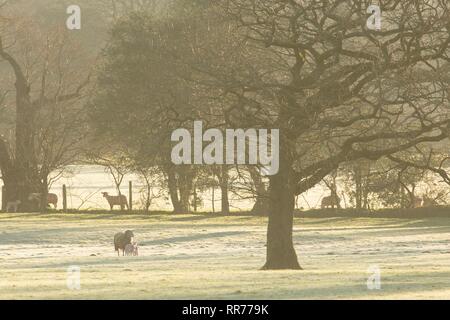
367	103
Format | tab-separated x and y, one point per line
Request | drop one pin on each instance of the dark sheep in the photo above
121	239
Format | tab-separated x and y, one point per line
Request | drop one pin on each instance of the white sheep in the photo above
116	200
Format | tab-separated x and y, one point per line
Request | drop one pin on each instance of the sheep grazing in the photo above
131	249
13	206
116	200
121	240
51	199
331	201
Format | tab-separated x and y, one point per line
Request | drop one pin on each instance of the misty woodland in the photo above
269	102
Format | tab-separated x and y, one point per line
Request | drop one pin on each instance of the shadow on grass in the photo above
330	286
193	237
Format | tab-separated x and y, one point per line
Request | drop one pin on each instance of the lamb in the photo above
13	205
121	240
131	249
120	200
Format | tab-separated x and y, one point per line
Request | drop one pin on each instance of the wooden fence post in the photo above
64	192
130	195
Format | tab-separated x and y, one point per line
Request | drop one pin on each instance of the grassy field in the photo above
214	257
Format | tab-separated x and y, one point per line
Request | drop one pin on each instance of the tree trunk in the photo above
18	186
44	194
180	185
358	186
261	205
280	248
173	190
19	173
148	189
194	202
213	200
225	202
223	179
6	166
185	186
366	204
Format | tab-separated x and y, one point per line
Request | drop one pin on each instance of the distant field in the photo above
213	257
